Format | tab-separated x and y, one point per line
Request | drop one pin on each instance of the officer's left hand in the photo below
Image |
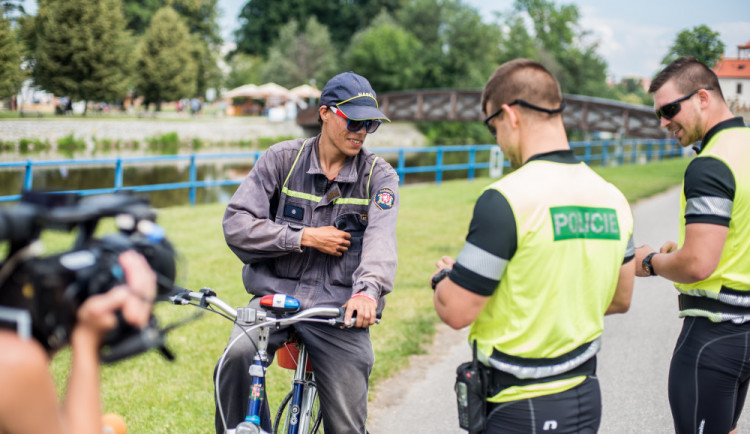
446	262
365	308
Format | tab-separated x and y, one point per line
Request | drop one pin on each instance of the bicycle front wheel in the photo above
285	415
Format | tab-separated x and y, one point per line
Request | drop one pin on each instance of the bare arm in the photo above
624	290
695	261
456	306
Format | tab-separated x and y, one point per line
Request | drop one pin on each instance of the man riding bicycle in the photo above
316	219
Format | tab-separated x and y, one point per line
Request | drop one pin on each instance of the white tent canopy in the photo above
246	90
306	91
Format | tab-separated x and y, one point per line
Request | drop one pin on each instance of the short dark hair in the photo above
522	79
688	74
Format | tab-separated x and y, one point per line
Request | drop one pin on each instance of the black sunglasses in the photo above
523	104
671	109
370	125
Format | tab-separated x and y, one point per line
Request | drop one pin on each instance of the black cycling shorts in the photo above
708	376
578	410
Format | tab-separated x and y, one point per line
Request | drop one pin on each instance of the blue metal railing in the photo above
603	152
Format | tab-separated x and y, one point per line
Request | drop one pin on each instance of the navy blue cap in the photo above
352	94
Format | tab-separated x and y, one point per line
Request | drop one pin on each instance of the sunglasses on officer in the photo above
370	125
670	110
523	104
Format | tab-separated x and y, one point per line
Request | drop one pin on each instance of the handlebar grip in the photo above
342	314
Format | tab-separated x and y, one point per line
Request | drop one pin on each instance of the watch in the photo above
647	266
442	274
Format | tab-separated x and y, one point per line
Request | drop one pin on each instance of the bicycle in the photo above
299	411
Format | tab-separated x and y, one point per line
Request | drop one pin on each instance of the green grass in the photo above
155	396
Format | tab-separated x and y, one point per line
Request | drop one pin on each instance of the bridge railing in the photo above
410	164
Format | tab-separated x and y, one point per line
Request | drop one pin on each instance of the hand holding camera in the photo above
104	285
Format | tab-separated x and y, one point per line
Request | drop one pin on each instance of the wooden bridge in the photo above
583	113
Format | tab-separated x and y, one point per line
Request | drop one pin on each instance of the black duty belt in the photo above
710	305
500	380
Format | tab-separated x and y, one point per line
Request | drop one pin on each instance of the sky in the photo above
633	35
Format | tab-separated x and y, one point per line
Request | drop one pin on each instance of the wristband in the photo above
442	274
362	294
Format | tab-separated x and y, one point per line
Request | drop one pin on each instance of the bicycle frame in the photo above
303	394
304	388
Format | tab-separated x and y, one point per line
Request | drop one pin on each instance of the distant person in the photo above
316	219
549	253
710	263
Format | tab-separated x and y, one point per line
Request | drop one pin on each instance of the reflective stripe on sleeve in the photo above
709	205
481	262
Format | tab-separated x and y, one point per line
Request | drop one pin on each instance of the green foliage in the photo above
200	16
138	13
300	55
24	145
69	144
82	49
244	69
267	142
261	20
166	67
166	144
208	74
631	90
196	144
455	133
700	42
458	48
11	75
7	146
387	55
558	42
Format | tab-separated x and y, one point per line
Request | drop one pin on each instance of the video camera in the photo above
52	288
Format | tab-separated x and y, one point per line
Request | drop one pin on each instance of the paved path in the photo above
632	365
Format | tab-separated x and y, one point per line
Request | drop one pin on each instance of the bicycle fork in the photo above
304	391
257	373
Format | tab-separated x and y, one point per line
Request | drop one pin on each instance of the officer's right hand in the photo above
327	239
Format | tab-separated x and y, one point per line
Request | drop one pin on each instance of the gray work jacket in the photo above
287	191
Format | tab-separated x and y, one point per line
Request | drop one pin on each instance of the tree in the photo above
244	69
166	67
700	42
559	42
387	55
82	49
297	57
11	75
261	20
208	74
459	49
11	9
199	15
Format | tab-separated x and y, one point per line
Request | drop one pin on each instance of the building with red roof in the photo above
734	78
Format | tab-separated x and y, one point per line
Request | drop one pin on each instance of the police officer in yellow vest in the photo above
710	264
316	219
549	252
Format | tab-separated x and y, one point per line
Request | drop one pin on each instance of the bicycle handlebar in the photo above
249	316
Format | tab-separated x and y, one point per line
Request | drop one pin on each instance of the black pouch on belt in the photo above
471	394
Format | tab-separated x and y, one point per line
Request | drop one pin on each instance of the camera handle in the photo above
139	341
